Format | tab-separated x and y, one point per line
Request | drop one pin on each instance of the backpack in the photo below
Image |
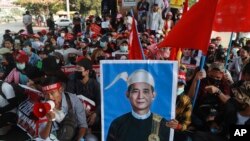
20	95
68	127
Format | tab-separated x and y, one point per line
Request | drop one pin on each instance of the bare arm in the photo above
81	133
198	76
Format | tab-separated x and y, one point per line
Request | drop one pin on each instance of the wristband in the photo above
179	127
218	92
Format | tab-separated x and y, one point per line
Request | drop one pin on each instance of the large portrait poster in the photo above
117	74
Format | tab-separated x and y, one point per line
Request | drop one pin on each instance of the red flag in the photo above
194	29
233	16
135	49
185	8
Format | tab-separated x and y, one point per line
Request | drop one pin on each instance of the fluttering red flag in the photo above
194	29
232	16
185	8
135	51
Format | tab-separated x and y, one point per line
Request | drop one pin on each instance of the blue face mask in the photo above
124	48
103	44
180	91
27	50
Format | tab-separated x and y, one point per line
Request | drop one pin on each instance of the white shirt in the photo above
9	93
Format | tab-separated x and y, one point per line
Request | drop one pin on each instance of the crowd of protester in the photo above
37	59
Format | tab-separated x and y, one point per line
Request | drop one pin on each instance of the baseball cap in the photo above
22	57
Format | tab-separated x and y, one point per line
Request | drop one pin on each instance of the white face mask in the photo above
57	61
59	115
180	91
20	66
124	48
62	34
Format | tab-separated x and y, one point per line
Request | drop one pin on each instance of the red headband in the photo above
182	75
51	87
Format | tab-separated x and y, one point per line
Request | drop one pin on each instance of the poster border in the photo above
174	85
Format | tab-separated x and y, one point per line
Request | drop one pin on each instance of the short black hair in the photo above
246	48
50	80
246	69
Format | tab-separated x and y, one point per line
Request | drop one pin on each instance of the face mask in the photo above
62	34
20	66
36	44
27	50
91	50
72	60
214	82
113	40
180	91
124	48
213	130
78	75
103	44
110	39
59	115
57	61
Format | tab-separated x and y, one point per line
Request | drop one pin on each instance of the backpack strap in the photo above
70	109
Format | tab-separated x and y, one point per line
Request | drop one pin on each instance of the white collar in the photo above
137	116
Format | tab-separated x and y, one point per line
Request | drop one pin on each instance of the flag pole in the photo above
203	58
228	51
143	56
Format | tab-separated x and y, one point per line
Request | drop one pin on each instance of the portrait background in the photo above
114	100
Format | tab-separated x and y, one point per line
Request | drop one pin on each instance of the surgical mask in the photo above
103	44
59	115
62	34
91	50
110	39
27	50
57	61
36	45
124	48
180	91
20	66
158	35
214	130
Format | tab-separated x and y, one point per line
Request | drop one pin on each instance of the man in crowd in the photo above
67	104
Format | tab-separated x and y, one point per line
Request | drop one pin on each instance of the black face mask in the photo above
214	82
72	60
78	75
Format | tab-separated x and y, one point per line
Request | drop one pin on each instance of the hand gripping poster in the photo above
138	98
